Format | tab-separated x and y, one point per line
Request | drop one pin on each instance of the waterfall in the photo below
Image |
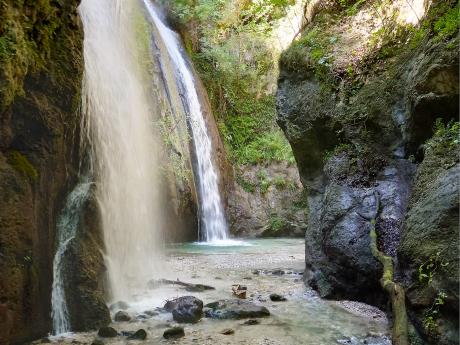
213	226
117	121
66	229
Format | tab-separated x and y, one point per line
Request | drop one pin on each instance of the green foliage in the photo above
21	164
449	133
447	25
280	182
427	270
431	316
247	185
446	137
269	147
441	22
277	223
312	52
264	181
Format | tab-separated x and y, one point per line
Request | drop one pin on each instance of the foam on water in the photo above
67	227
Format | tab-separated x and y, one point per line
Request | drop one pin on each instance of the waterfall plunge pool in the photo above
257	264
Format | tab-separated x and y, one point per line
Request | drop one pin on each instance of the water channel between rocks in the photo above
303	319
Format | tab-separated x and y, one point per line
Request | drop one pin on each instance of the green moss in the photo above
21	164
312	53
27	32
245	184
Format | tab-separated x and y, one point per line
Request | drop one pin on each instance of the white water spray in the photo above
66	229
119	127
213	225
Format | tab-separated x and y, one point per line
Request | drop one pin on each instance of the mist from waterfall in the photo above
117	121
67	227
213	226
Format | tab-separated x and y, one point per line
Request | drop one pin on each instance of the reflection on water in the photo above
302	319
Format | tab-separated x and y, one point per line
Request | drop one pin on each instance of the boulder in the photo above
140	334
121	316
107	332
174	333
186	309
234	309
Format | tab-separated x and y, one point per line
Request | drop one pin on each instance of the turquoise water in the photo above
236	246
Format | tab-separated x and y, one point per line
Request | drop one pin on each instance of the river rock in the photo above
234	309
277	298
227	331
121	316
251	322
186	309
174	333
140	334
107	332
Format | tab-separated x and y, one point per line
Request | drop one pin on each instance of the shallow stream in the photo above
264	267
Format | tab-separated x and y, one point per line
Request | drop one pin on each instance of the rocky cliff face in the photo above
358	101
40	55
267	201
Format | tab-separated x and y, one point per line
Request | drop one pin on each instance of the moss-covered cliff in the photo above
359	94
41	67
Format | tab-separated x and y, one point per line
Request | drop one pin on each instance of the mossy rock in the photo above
21	164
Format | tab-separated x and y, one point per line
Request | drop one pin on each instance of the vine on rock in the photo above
400	332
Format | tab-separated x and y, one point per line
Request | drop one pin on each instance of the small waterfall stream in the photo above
213	226
66	229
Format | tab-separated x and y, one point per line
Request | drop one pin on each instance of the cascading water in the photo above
66	229
117	118
213	226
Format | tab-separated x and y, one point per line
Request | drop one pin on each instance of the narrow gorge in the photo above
229	172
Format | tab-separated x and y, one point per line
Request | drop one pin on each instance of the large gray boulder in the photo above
235	309
186	309
338	256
